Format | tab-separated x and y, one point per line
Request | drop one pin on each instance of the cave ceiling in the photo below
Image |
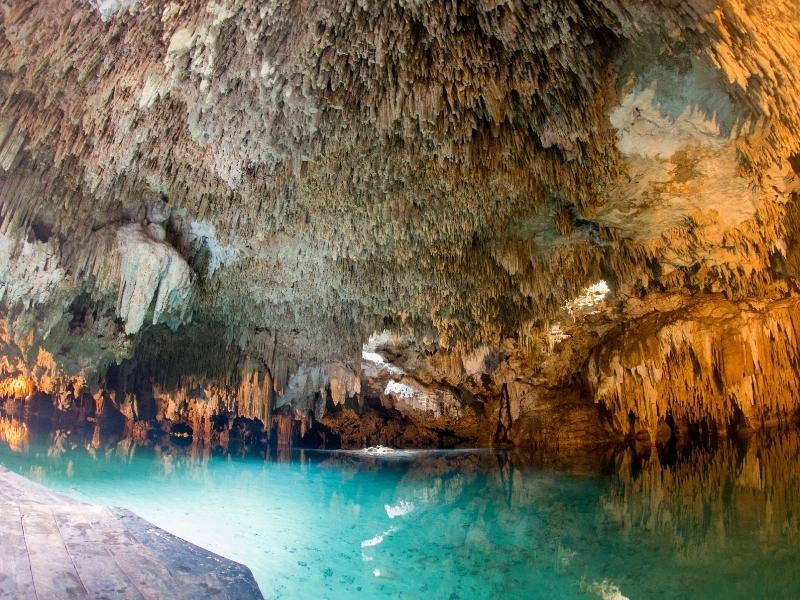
275	181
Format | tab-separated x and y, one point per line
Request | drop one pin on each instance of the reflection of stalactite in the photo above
758	487
506	475
15	386
504	420
14	433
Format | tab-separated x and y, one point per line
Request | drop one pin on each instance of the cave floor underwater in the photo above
703	522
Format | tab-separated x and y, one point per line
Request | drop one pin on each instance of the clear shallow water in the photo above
722	524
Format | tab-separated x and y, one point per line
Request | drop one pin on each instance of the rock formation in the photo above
574	221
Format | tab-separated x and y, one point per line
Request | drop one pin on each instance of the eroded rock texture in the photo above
579	219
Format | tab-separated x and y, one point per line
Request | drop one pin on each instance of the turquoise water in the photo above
459	525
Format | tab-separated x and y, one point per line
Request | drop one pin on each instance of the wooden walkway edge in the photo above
53	547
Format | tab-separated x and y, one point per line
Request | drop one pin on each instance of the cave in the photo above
458	299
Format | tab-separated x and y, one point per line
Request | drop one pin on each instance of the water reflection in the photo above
737	505
14	433
699	523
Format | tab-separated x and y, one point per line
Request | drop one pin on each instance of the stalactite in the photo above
713	363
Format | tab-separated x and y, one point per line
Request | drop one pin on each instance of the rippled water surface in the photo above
468	525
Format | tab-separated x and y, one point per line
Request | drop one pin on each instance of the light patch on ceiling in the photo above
154	89
378	339
674	130
373	357
220	255
555	336
395	388
671	111
110	8
588	302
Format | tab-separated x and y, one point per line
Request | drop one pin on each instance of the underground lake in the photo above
708	522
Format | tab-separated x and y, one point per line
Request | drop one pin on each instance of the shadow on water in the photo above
693	522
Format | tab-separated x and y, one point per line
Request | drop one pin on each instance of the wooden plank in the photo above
21	490
149	576
16	580
5	492
54	575
54	547
195	568
101	575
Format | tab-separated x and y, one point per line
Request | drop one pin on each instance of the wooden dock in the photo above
54	547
